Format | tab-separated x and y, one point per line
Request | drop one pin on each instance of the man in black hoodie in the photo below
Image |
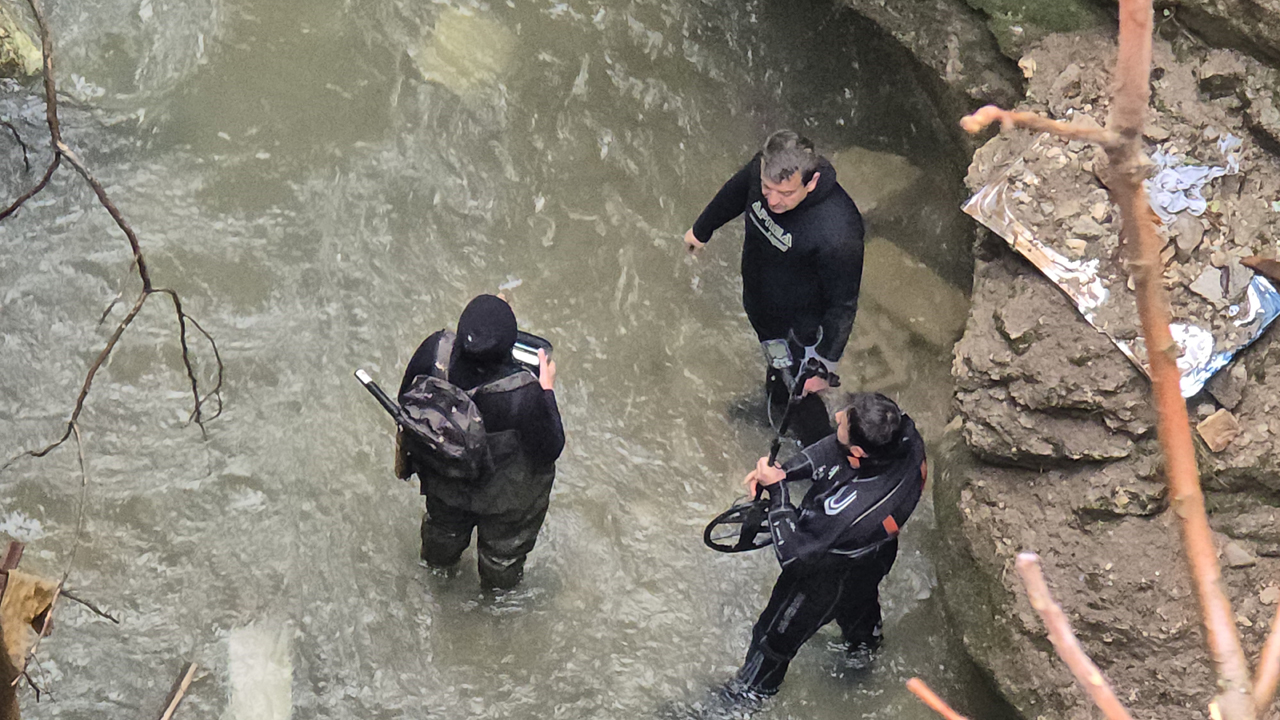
506	505
801	259
837	546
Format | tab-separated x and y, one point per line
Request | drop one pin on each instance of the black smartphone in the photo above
525	351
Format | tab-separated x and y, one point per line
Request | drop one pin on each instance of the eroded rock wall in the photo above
1056	452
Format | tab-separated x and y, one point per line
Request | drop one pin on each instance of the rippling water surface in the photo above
327	182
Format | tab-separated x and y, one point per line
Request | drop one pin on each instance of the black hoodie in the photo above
801	269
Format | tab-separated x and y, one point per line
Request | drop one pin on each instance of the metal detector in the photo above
745	525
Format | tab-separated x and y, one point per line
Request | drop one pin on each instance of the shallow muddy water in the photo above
326	183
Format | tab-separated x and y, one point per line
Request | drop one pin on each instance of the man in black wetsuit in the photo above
524	435
801	261
841	541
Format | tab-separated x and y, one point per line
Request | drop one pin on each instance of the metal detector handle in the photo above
774	448
383	399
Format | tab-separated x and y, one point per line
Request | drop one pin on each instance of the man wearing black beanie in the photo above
507	503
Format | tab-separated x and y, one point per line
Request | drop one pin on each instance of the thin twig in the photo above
216	392
26	161
114	211
30	682
84	489
1065	642
1173	427
33	191
178	690
1264	685
930	698
92	608
984	116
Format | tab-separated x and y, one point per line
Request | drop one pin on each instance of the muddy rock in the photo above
1035	384
953	41
1118	576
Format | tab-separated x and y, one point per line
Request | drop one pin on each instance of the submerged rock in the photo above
19	54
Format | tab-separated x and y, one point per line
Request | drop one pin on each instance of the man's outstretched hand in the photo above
692	244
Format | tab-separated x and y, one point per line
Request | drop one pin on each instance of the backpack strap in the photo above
508	383
444	353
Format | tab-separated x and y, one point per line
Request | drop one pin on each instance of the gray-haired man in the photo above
801	260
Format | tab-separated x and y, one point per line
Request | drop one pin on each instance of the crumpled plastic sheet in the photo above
1202	353
1176	185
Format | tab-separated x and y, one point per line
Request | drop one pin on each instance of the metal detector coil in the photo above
743	527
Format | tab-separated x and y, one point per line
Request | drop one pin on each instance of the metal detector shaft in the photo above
383	399
797	391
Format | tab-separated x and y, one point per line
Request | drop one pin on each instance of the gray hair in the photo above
786	153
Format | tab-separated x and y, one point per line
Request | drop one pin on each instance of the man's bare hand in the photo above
815	384
546	371
693	244
764	475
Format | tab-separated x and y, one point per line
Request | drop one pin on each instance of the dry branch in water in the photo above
930	698
62	152
1123	145
178	691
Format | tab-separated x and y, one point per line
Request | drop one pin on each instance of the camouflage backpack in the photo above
443	431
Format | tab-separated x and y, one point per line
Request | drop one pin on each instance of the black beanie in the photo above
487	328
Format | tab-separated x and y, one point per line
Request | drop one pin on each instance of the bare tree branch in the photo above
1123	144
930	698
1065	642
1008	119
114	211
63	151
1133	90
26	161
178	690
92	608
1264	686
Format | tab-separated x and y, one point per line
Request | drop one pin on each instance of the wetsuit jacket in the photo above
846	510
523	429
801	270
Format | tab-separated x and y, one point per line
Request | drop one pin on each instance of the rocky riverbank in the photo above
1053	448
